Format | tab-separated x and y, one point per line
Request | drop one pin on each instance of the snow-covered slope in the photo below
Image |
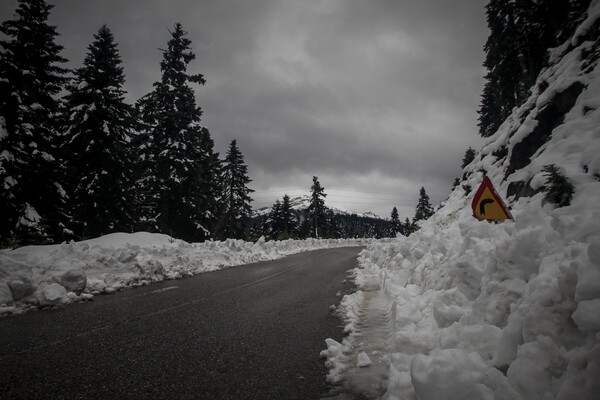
509	310
41	276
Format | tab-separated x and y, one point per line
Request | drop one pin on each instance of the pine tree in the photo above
505	87
456	183
403	229
409	227
209	183
396	225
490	117
543	25
468	158
304	229
316	209
330	229
289	224
521	32
99	132
235	195
281	223
31	195
424	209
178	167
558	190
272	225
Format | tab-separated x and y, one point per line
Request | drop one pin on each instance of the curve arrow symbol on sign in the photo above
482	205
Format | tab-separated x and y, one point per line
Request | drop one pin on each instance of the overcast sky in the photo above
377	98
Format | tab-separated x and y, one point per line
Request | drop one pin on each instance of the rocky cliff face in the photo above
563	99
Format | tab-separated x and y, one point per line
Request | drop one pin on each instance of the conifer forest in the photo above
78	161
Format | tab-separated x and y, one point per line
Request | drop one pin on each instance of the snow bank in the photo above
509	310
39	276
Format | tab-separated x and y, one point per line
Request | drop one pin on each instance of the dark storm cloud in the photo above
376	96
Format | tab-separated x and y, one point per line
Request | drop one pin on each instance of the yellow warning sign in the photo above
488	205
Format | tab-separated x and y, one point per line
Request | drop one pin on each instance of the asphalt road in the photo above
250	332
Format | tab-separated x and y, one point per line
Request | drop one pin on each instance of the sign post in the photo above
487	204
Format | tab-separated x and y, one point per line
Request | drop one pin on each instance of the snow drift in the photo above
42	276
509	310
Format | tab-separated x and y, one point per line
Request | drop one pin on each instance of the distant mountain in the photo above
300	203
344	224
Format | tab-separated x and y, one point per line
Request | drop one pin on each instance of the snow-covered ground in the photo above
41	276
480	310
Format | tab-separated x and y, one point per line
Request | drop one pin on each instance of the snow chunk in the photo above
30	216
5	295
448	374
587	315
74	280
21	286
6	155
588	281
60	189
593	250
9	182
52	295
538	181
333	356
47	157
532	373
363	360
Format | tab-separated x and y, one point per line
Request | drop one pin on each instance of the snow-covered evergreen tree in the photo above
281	223
272	225
558	188
178	166
330	229
424	209
98	138
521	32
455	183
209	183
396	225
316	209
289	222
409	227
504	88
468	158
235	198
32	200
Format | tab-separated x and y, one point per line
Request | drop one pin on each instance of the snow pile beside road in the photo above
485	311
39	276
511	310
